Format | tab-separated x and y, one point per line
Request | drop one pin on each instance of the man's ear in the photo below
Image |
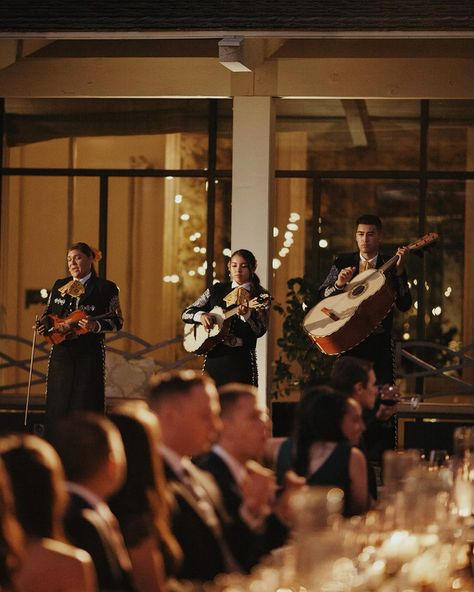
357	388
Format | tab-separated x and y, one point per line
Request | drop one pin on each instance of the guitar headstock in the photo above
424	243
263	301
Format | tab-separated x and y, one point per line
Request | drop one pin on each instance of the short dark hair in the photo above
230	393
347	371
88	251
177	383
83	441
370	219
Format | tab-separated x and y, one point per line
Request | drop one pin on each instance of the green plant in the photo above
299	360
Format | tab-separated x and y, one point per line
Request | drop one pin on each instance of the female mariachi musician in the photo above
234	359
80	309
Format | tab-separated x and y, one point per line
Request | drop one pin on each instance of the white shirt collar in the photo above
372	261
235	467
172	458
85	278
247	286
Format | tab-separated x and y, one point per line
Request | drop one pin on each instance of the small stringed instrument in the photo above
198	340
68	327
338	323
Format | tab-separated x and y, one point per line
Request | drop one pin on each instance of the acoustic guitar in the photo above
198	340
338	323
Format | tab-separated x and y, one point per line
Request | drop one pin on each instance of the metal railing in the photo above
42	354
452	364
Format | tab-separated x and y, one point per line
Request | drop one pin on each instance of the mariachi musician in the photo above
378	346
80	309
234	359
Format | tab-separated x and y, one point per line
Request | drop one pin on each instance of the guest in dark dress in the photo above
328	425
76	367
234	359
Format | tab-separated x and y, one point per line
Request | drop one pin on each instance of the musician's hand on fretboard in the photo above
402	254
207	321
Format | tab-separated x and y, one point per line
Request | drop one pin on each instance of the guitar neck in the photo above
418	244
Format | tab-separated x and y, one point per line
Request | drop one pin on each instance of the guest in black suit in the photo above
247	488
378	346
76	367
92	453
187	405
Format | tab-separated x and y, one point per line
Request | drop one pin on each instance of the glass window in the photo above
348	134
451	136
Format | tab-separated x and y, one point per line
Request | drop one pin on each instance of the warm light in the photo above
288	243
196	249
427	287
294	217
276	263
201	271
174	279
227	252
276	232
416	304
191	272
415	282
448	291
288	234
284	252
293	227
436	311
323	243
185	217
406	336
178	198
44	293
169	178
202	250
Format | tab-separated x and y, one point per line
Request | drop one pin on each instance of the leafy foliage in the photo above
299	360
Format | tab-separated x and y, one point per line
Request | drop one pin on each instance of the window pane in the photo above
451	136
348	134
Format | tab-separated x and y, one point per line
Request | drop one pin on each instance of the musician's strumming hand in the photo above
345	275
207	321
402	253
89	325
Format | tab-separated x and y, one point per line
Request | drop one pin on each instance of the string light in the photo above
323	243
178	198
293	227
276	232
185	217
276	263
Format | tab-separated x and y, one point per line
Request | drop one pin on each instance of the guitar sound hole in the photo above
358	290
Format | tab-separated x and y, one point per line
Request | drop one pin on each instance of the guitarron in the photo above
338	323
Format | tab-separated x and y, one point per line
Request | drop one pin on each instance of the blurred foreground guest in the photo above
92	453
142	503
187	405
327	426
40	494
11	536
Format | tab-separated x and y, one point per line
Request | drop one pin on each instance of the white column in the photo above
253	151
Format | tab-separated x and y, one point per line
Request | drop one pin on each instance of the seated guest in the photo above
187	405
327	425
142	503
40	494
356	378
93	457
11	536
247	488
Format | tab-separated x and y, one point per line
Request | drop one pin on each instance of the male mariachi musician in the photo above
378	346
76	369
